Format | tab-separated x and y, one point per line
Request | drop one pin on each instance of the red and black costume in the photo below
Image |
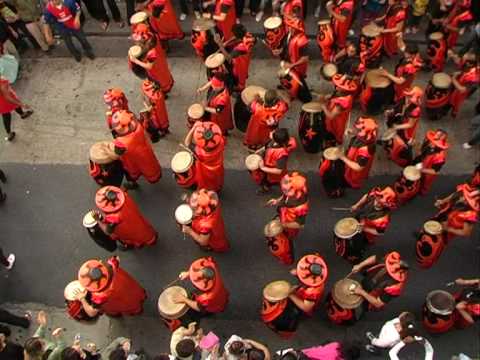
470	79
406	68
135	150
218	98
116	100
470	295
343	102
437	52
405	188
240	51
278	242
208	220
163	20
460	17
325	40
395	15
225	7
296	46
113	291
156	121
96	233
437	99
341	28
202	40
104	164
281	316
74	307
122	219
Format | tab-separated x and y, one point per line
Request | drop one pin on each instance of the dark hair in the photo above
412	49
413	350
239	31
70	353
185	348
34	347
351	350
255	354
270	97
118	354
5	330
236	348
409	328
281	136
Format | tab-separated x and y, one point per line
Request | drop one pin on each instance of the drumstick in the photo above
171	283
450	284
341	209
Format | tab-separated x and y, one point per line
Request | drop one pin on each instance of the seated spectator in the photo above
184	341
8	349
39	347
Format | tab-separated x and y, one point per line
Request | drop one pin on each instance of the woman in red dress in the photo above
8	103
394	23
164	20
224	16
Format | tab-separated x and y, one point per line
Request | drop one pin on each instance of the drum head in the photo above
88	220
412	173
346	228
203	24
441	80
103	152
440	302
389	134
181	162
343	296
184	214
277	290
436	36
324	22
272	22
371	30
196	111
138	17
250	92
331	153
215	60
312	107
273	228
135	51
433	227
252	162
329	70
71	289
166	305
377	80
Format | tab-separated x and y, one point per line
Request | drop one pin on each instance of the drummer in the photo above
92	222
394	18
457	20
115	100
312	273
292	206
266	115
295	50
105	165
383	279
373	211
273	165
341	13
348	61
468	302
224	15
238	51
207	228
156	123
404	119
206	142
202	38
210	295
79	302
432	157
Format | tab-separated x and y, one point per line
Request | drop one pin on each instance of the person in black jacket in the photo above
8	349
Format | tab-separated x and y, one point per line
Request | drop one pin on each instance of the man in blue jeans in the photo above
65	16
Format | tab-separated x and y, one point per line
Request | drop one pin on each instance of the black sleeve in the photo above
225	8
237	53
157	10
386	297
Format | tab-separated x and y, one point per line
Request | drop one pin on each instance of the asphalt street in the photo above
42	223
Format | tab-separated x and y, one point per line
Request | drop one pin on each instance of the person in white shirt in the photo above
411	348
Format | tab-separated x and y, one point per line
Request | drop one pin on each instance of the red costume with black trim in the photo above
263	120
406	68
123	219
218	98
241	54
297	42
282	316
165	23
463	16
428	248
160	71
158	116
208	220
406	189
395	15
208	146
280	246
325	41
210	295
437	54
293	8
336	125
472	297
340	28
225	27
437	101
470	78
113	291
135	150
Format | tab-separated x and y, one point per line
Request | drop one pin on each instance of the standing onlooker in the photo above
65	16
97	10
8	262
10	15
184	341
8	349
237	348
39	348
8	103
29	12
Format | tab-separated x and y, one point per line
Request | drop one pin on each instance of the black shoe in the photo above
26	114
3	197
77	57
90	55
11	136
3	177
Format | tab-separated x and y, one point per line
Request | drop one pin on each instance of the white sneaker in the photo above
11	261
183	17
467	146
259	16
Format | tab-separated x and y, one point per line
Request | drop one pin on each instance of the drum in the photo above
89	220
408	184
311	127
437	96
430	244
195	113
274	33
325	39
202	39
140	17
184	171
184	214
332	153
137	52
377	92
438	311
72	289
349	241
241	109
343	306
328	71
166	303
371	44
278	242
252	162
331	172
277	291
74	307
436	51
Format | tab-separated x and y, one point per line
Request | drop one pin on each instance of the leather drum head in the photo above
184	214
343	295
440	302
433	227
346	228
166	305
181	162
277	290
252	162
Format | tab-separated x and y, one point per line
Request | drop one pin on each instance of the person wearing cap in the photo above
467	308
275	156
293	205
358	157
155	60
341	15
383	279
136	152
432	157
265	116
210	295
394	18
92	222
405	71
337	109
224	15
163	19
105	165
113	291
121	219
404	118
457	21
465	82
206	141
295	51
407	186
207	228
156	122
312	273
373	211
115	100
238	51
